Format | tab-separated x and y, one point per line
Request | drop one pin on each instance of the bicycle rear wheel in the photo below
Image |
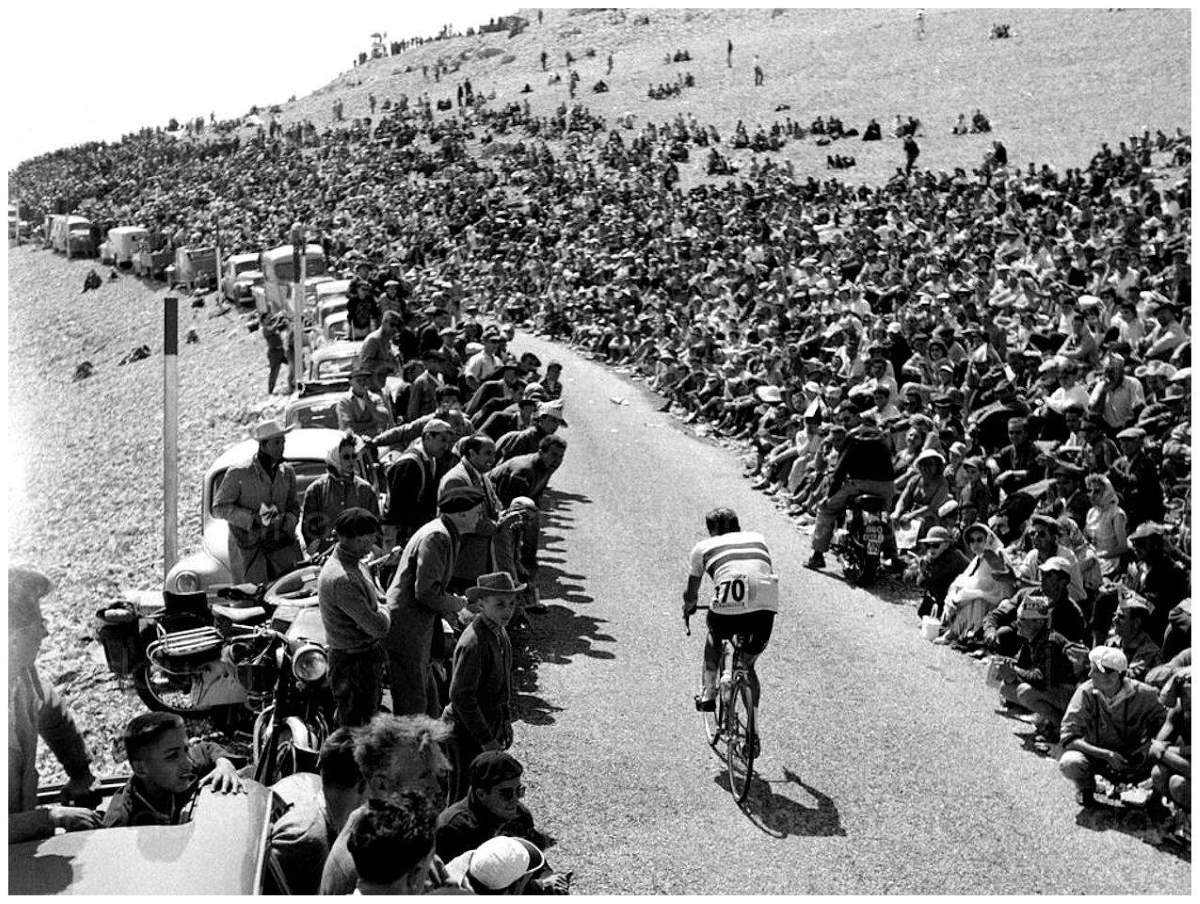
739	738
712	723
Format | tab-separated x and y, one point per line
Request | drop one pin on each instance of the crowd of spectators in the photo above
1017	338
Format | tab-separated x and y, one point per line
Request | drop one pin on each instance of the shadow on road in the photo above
780	815
1135	823
559	634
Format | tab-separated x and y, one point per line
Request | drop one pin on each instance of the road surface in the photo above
885	766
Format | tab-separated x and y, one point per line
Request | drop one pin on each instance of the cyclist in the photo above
745	596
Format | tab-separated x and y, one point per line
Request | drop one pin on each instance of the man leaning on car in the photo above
260	502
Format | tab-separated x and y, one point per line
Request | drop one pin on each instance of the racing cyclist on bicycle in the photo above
745	596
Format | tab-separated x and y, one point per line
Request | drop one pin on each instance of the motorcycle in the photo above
285	679
859	543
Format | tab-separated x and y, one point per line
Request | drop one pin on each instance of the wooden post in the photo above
170	432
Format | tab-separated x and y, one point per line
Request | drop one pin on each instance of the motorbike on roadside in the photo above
858	544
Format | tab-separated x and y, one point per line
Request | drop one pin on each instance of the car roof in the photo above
285	251
333	287
305	444
220	852
127	230
244	256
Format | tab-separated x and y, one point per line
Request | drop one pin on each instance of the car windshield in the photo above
245	265
285	273
334	368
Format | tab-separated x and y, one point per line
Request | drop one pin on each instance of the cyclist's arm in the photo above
691	594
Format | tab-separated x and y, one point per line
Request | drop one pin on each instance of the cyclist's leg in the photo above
712	662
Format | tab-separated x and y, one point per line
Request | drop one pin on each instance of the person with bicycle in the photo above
745	597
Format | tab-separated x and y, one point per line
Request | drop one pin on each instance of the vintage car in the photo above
332	361
72	235
194	265
315	404
279	276
208	566
123	242
240	274
222	850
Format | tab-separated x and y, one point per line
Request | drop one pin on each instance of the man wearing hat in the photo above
1019	462
1045	539
422	395
1162	580
516	416
480	707
376	355
1135	477
1168	333
546	421
1042	679
499	866
1129	634
413	480
940	563
492	808
355	620
1065	616
419	596
1108	726
259	500
361	411
493	394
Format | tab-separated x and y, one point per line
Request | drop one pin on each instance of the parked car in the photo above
152	263
208	566
123	242
72	235
315	404
192	265
222	850
241	273
332	361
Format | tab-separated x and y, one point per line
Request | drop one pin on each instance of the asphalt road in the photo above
885	767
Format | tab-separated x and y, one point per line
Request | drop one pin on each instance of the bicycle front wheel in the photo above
740	739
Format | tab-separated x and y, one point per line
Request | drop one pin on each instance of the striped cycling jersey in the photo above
743	577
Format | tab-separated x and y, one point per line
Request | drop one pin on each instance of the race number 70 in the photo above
731	593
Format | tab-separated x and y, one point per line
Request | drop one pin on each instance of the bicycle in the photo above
733	722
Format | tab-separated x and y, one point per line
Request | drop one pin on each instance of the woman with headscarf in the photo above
1105	525
987	579
338	489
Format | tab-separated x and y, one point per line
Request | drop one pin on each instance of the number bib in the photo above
746	593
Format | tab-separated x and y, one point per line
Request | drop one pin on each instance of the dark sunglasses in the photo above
511	793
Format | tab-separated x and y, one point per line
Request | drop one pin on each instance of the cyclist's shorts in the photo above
755	628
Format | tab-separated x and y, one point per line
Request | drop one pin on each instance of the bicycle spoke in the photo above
739	752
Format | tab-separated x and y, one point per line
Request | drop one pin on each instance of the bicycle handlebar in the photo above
687	619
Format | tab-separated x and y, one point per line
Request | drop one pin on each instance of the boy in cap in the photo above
1108	726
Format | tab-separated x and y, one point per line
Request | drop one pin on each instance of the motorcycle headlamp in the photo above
310	663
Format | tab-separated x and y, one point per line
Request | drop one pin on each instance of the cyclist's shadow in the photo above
780	816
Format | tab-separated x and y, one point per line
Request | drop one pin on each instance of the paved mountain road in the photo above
885	768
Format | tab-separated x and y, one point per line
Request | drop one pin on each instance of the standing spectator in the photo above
355	620
546	422
475	555
759	77
729	53
376	354
361	411
422	395
1108	726
419	596
480	707
1136	478
361	309
911	153
273	328
412	483
335	491
258	498
35	709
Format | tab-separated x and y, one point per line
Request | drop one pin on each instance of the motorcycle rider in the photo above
865	466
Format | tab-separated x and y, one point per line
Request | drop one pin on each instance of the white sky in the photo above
92	71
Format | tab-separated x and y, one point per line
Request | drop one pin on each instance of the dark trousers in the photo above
275	359
356	680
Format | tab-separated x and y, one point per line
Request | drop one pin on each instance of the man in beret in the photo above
419	596
492	807
412	482
258	498
355	620
1108	726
